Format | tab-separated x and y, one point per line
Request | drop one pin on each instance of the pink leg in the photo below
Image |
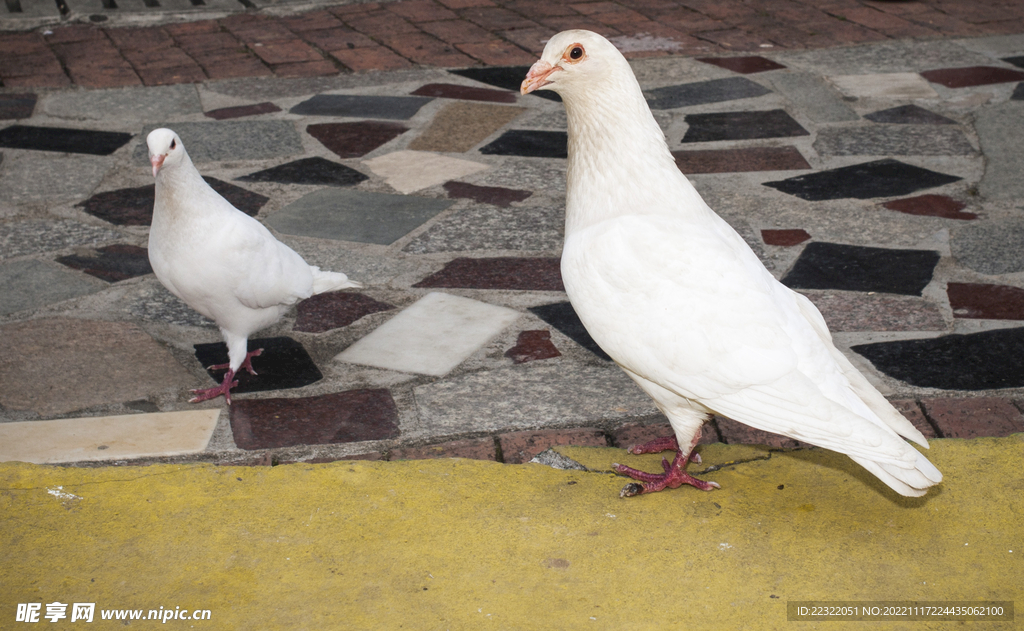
675	476
247	364
224	388
665	443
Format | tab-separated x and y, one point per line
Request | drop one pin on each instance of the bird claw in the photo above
205	394
674	477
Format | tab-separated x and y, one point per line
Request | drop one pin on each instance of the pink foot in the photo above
204	394
665	443
675	476
247	364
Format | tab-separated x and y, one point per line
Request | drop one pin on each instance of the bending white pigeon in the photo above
676	297
222	262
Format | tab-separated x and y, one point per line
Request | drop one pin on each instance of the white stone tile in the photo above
409	171
107	437
432	336
893	85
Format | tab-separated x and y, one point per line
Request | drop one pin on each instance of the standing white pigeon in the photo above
676	297
222	262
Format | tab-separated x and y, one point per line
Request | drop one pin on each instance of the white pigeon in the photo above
681	303
220	261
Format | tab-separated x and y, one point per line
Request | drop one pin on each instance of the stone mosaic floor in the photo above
882	180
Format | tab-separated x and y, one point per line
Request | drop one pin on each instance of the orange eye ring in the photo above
575	53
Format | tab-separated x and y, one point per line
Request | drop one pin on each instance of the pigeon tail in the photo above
911	482
330	281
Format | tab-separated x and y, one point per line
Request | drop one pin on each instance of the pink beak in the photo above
537	77
157	162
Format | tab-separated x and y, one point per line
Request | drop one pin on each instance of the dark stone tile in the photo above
494	195
742	65
97	143
531	346
714	91
353	140
931	206
972	76
1016	61
314	170
134	206
334	310
977	361
15	106
974	417
563	317
908	115
524	274
357	106
1018	93
504	77
342	417
879	178
529	143
857	268
740	160
240	111
986	302
465	93
112	263
283	364
785	238
741	126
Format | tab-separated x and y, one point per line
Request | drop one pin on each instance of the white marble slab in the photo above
432	336
892	85
409	171
107	437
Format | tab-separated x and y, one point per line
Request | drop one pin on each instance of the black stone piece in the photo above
112	263
97	143
308	171
1016	61
563	317
134	206
879	178
356	106
1018	93
284	363
530	143
15	106
714	91
858	268
976	361
741	126
506	77
909	115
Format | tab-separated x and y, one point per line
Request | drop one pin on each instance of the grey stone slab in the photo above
1000	131
713	91
31	284
492	228
995	246
231	140
126	104
348	215
813	97
154	303
357	106
533	395
895	56
893	140
31	177
34	236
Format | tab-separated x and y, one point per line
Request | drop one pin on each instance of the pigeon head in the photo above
165	149
575	62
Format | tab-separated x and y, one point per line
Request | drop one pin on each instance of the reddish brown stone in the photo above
972	418
532	346
986	302
524	274
343	417
784	238
465	93
911	409
638	434
972	76
334	310
736	433
472	449
494	195
352	140
520	447
740	160
931	206
743	65
239	111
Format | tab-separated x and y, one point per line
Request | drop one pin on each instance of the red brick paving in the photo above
520	447
972	418
460	33
475	449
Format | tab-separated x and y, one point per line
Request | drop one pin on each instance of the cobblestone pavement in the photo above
874	166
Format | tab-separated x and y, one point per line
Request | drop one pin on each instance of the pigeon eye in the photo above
173	144
576	53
